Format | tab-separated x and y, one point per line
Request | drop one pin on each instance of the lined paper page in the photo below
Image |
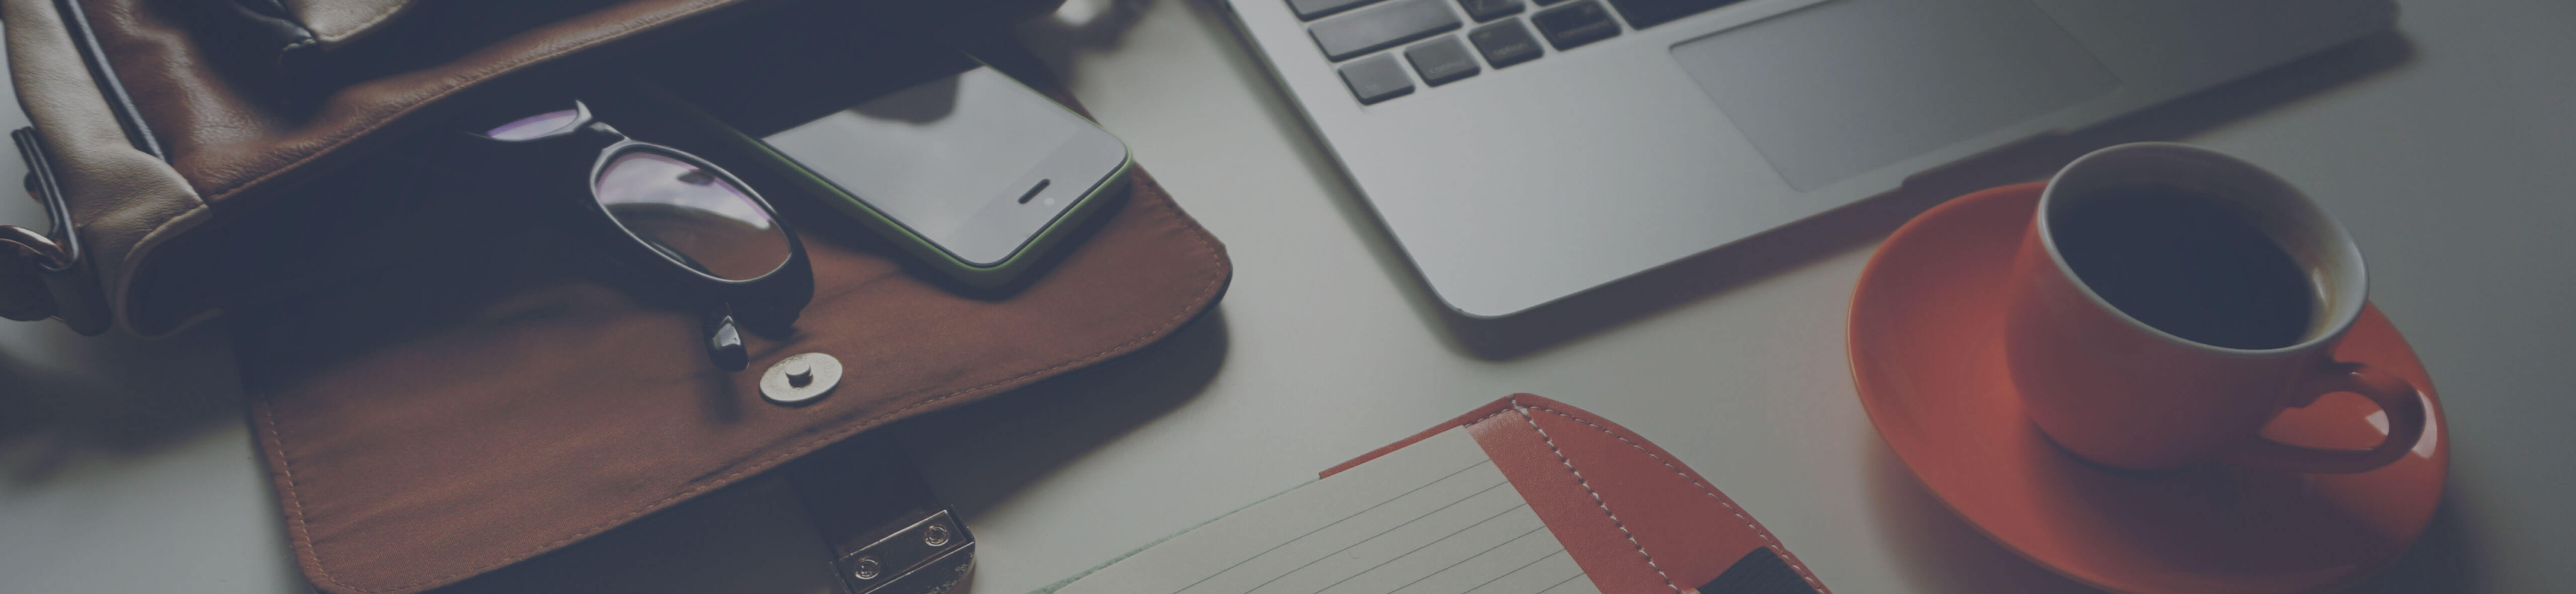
1435	517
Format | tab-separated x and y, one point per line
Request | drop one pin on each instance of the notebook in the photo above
1522	496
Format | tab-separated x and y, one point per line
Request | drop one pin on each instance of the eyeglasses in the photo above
685	221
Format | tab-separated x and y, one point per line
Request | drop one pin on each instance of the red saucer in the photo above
1927	355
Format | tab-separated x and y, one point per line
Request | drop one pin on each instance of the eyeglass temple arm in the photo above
724	339
724	334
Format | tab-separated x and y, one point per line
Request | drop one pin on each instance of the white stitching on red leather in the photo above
1774	543
1596	496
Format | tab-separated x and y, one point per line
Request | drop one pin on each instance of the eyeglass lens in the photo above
691	215
535	125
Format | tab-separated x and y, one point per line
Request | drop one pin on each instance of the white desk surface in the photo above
2453	160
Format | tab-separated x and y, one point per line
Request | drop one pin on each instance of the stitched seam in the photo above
1767	539
1596	496
1171	212
295	505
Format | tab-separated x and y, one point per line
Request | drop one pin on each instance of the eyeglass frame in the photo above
767	304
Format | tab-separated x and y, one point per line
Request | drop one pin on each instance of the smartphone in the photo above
973	172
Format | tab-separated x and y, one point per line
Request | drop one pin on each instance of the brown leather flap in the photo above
468	411
474	387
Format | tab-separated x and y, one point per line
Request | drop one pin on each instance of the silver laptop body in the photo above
1612	149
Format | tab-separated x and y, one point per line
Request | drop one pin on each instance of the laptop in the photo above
1521	151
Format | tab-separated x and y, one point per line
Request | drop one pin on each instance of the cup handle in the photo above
2397	398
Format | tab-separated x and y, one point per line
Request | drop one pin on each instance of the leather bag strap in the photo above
889	534
38	270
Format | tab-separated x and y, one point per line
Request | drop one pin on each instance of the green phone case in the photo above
982	277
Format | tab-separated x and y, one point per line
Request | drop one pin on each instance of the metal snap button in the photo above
800	379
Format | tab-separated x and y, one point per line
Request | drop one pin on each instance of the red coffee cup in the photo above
2125	393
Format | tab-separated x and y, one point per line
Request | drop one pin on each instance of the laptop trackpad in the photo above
1837	89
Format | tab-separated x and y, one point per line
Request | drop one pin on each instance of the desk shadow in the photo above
1939	552
1704	275
2443	559
113	394
752	536
981	454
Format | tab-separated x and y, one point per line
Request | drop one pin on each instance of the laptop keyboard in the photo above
1354	32
1368	30
1575	24
1647	13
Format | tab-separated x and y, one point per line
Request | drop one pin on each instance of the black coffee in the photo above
2182	263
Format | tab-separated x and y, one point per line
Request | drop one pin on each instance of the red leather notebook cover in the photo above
1635	518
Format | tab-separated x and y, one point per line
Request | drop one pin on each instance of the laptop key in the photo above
1378	78
1647	13
1314	9
1441	61
1575	24
1486	10
1506	43
1382	26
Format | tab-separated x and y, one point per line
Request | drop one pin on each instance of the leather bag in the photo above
165	128
442	390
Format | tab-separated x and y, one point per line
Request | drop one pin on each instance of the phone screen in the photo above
975	162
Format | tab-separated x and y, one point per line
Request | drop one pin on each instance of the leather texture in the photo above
462	414
230	137
1635	518
444	387
239	137
124	201
758	535
337	22
256	33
